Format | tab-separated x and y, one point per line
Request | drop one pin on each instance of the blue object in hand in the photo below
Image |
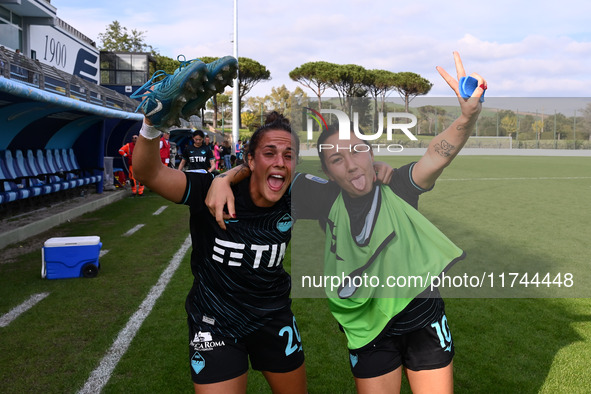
467	87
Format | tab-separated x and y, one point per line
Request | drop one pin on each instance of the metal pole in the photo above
517	134
497	122
575	130
537	133
436	118
555	142
235	96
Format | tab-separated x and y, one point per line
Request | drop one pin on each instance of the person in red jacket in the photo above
127	151
165	148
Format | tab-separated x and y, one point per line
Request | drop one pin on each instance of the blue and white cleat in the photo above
220	73
163	101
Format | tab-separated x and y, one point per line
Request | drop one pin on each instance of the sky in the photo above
522	49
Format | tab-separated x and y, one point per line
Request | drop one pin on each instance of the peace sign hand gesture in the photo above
471	106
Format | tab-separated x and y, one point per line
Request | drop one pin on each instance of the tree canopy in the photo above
348	81
410	85
282	100
116	38
313	75
250	73
378	83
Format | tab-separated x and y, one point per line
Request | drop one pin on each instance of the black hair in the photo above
273	121
199	133
326	132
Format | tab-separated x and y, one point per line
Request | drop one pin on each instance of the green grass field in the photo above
510	214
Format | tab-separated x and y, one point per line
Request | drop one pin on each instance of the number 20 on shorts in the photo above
294	339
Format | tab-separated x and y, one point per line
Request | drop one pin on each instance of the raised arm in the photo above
445	146
149	170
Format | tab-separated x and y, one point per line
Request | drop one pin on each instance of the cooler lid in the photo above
72	241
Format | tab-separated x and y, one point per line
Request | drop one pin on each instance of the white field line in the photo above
15	312
101	375
160	210
103	252
133	230
542	178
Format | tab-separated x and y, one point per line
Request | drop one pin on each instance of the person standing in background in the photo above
196	156
207	141
165	148
217	155
127	151
227	155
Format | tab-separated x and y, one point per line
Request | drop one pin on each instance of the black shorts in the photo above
428	348
276	347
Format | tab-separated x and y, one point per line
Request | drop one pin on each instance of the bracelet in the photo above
149	132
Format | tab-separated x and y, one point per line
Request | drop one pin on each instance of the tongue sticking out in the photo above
275	183
358	183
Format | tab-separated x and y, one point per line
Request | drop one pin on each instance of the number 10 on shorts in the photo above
443	333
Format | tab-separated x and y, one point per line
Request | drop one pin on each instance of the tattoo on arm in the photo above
444	148
238	174
244	172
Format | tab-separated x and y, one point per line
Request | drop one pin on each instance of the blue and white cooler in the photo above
70	257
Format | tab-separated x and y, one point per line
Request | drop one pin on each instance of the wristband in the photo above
467	86
149	132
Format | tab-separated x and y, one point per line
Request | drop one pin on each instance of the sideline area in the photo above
19	228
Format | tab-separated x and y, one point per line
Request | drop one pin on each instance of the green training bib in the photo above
384	268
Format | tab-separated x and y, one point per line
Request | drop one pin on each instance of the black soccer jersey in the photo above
420	311
197	158
239	276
